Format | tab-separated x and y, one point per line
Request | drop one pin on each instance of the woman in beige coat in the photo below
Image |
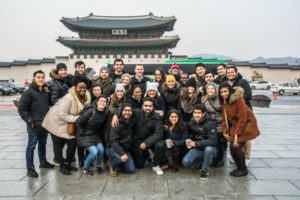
67	109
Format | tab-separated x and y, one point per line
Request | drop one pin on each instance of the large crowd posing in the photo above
123	122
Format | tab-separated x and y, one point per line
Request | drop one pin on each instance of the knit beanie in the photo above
152	86
104	68
170	78
60	66
119	87
191	83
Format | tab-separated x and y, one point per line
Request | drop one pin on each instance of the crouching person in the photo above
202	142
90	128
33	107
120	140
148	134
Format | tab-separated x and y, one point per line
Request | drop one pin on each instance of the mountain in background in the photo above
283	60
210	56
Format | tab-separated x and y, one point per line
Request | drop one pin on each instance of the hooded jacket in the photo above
58	86
171	96
33	107
90	126
240	117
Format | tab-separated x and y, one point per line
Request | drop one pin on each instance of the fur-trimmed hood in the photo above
238	92
54	75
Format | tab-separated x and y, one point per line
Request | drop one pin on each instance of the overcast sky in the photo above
242	29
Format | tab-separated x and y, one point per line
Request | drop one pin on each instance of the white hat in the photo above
120	87
152	86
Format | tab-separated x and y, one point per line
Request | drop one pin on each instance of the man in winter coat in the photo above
221	70
33	106
202	142
118	70
148	134
105	81
139	79
120	140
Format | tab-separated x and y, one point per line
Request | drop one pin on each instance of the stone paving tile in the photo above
282	163
12	174
14	148
292	147
264	187
239	198
276	173
287	197
80	197
199	187
269	147
263	154
19	188
287	154
8	164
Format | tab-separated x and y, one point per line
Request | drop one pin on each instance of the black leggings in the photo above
237	152
58	145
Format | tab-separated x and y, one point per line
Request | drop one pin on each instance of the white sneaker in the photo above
231	161
247	162
157	170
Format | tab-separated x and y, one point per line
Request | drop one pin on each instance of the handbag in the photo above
71	128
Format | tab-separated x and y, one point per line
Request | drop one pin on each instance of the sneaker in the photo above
88	172
99	170
112	172
204	175
32	173
247	162
231	161
71	168
64	170
55	163
232	173
46	165
157	170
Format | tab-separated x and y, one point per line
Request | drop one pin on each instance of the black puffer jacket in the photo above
33	107
243	83
171	96
121	136
220	79
178	135
135	82
90	126
134	102
148	130
204	133
58	86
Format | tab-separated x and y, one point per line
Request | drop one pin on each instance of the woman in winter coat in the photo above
238	124
188	100
214	111
95	91
175	133
65	111
117	100
171	92
159	77
136	98
126	81
160	104
90	128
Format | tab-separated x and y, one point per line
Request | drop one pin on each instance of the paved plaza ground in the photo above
274	172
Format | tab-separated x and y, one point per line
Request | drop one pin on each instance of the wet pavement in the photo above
274	169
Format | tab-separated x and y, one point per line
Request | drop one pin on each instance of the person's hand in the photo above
235	143
143	146
226	136
124	157
114	121
190	144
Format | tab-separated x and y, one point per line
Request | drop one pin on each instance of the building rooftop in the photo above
27	62
74	42
119	22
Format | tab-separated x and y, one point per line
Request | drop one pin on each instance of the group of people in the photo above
122	121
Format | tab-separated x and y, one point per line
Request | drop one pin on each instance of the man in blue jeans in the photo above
202	142
33	106
120	141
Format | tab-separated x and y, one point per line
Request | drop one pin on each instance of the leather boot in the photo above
242	169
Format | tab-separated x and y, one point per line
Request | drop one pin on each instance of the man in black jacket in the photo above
236	79
139	79
120	140
221	70
33	106
202	142
148	134
118	70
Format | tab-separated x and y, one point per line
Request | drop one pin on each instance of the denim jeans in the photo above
33	139
96	150
195	156
116	161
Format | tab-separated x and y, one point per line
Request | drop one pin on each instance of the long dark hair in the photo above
167	121
163	74
225	85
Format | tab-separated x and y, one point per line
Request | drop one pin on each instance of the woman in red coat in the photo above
238	124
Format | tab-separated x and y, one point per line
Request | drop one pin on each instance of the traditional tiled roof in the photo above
27	62
171	41
119	22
